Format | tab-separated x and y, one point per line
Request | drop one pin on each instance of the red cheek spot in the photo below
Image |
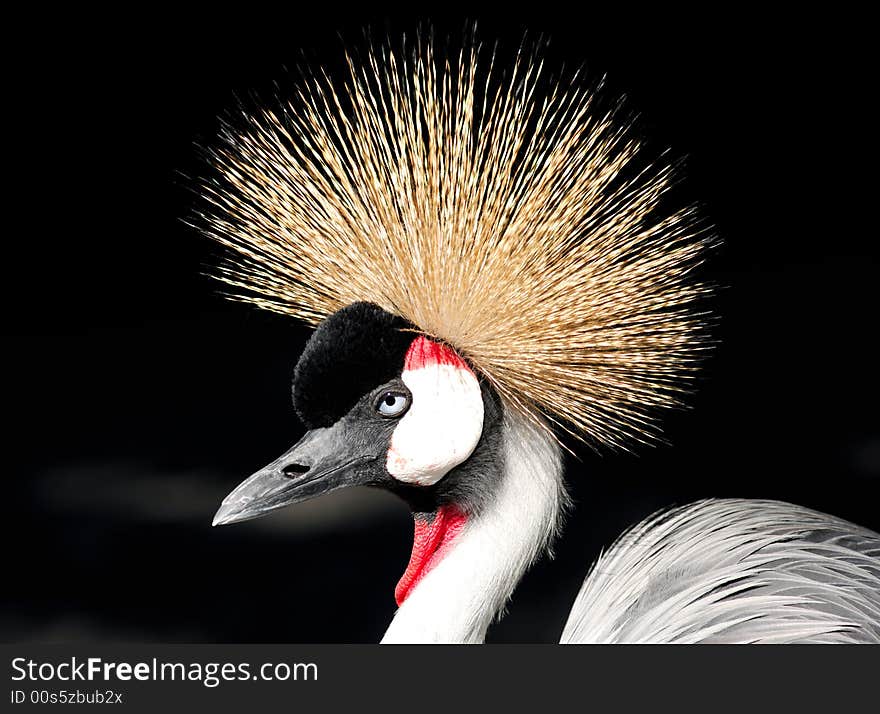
433	535
396	462
424	353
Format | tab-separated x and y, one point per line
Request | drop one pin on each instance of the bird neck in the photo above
456	601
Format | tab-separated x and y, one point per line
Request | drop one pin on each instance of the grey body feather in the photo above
733	571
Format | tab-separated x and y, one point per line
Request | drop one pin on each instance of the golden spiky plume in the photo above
499	211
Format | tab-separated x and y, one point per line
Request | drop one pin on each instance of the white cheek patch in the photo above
445	420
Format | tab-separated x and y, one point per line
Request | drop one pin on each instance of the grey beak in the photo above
321	462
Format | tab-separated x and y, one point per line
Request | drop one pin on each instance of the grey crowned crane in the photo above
492	268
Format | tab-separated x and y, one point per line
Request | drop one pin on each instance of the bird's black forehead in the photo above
351	352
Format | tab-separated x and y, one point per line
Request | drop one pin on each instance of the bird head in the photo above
527	230
387	407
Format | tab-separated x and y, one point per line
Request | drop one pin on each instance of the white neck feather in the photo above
457	600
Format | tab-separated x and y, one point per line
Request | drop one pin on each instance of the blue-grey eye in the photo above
393	404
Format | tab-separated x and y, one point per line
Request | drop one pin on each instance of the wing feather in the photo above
733	571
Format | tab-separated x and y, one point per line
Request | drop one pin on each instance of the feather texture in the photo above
733	571
500	211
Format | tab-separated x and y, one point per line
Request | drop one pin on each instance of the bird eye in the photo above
393	404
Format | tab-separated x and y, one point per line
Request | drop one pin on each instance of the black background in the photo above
137	397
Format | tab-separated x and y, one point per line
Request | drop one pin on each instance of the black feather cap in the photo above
353	351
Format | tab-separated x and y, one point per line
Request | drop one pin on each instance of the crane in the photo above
492	269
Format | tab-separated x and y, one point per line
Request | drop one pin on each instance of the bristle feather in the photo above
501	215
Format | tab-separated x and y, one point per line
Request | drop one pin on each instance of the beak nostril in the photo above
294	469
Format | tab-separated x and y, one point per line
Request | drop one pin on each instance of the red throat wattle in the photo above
433	535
